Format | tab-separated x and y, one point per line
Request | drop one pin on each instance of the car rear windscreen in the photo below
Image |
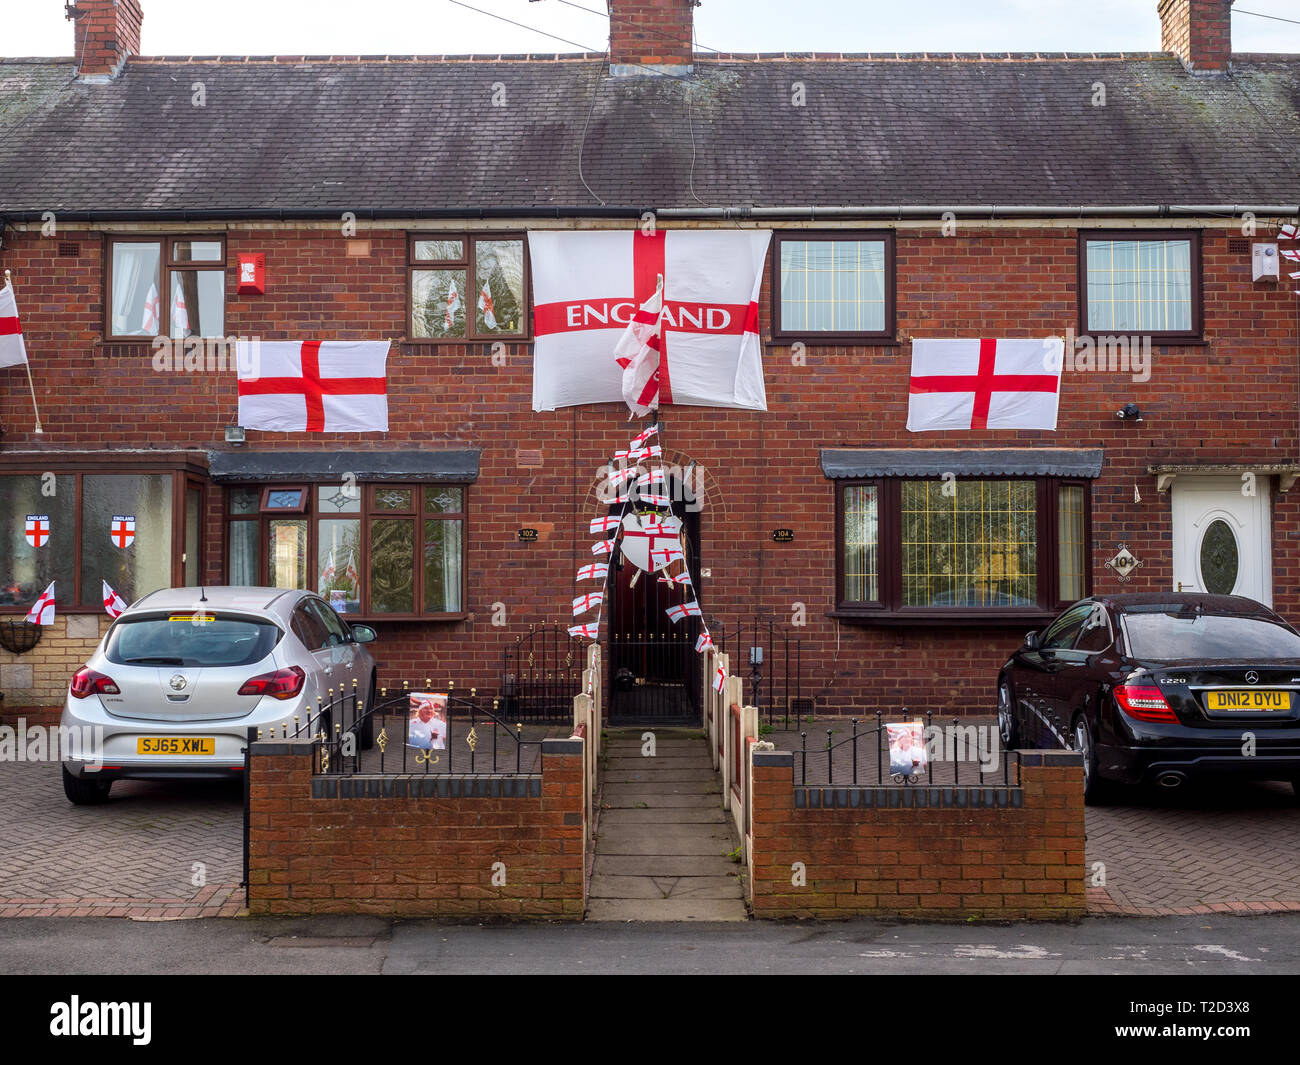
189	639
1183	636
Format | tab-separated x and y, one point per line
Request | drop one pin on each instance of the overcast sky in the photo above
258	27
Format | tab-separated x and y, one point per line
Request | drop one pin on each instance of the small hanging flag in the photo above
704	642
621	477
719	679
122	530
602	547
584	631
603	524
590	601
644	435
682	578
676	613
655	476
662	556
592	572
38	529
652	500
42	611
114	604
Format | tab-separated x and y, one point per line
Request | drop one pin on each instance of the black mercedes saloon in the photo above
1159	689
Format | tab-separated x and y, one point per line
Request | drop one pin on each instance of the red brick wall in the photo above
935	861
1231	399
420	856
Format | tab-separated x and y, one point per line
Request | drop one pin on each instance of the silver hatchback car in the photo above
182	675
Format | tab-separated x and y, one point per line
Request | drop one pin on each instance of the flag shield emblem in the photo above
646	533
121	530
38	529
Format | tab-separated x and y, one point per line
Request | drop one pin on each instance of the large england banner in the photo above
587	285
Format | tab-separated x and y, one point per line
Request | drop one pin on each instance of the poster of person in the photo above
427	726
906	748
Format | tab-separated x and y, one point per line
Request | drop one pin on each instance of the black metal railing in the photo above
773	674
473	736
540	674
965	754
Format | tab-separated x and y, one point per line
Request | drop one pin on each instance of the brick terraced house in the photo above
1116	200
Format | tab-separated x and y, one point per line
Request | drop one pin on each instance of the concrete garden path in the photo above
663	838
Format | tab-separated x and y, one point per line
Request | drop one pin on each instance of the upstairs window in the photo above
166	286
834	286
467	287
1145	284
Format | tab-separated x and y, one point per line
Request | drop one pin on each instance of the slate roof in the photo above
416	136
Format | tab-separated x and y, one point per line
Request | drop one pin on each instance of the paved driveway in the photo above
1218	848
153	850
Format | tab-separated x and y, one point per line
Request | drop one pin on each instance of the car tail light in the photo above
1144	702
87	681
282	684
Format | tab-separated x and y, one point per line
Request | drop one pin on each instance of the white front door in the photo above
1223	536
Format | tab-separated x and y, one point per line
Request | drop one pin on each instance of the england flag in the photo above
588	286
984	384
314	386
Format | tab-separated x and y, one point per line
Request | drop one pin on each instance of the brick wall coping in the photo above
558	746
1051	758
907	797
427	786
774	758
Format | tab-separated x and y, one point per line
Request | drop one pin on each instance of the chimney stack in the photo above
1198	32
651	36
106	32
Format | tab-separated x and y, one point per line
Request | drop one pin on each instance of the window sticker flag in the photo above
114	604
485	305
38	529
585	631
453	304
590	601
588	285
596	570
314	386
685	610
599	525
984	384
121	530
42	611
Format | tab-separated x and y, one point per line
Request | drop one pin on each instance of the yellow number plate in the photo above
1248	700
192	745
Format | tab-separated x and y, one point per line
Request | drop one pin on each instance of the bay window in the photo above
374	550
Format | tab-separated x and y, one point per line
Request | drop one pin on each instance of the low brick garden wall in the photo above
1003	852
417	844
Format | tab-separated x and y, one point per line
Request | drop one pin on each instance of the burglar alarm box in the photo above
252	274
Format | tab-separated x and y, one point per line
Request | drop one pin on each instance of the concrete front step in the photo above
658	774
621	788
663	887
648	816
663	865
664	845
694	909
638	797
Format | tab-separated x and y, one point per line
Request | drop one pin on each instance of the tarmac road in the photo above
357	945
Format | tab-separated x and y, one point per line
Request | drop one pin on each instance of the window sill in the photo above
375	619
828	340
1157	339
943	618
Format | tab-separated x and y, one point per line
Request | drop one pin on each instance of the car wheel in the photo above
1008	729
1095	790
83	792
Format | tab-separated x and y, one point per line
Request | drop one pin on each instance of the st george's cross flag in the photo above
150	322
603	524
314	386
485	305
704	642
590	601
677	613
13	351
42	611
114	604
596	571
587	285
588	632
984	384
638	354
